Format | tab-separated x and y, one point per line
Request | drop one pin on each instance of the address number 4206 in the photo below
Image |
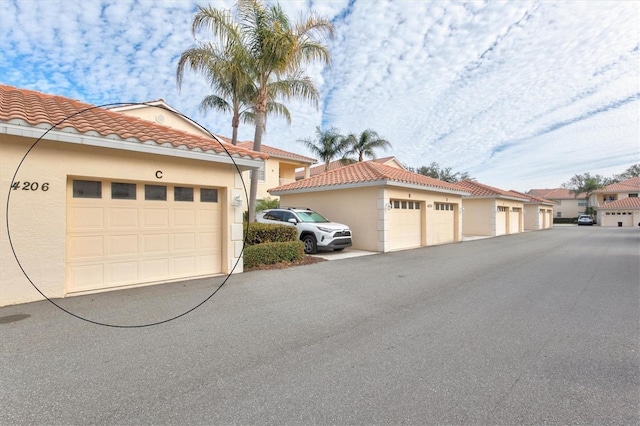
30	186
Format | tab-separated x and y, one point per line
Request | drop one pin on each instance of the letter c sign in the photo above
159	174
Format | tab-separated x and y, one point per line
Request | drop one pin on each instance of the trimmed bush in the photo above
260	233
270	253
565	220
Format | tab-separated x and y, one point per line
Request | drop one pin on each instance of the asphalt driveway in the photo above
535	328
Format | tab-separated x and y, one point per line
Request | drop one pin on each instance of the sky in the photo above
519	94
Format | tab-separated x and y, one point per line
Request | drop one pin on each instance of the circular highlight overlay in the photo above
30	239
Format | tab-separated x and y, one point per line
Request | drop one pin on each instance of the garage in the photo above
123	233
441	223
624	212
501	220
405	224
515	219
111	201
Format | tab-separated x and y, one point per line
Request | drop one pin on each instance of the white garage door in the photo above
515	217
501	220
441	223
612	218
123	233
405	225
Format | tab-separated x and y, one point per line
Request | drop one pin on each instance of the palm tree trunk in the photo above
257	145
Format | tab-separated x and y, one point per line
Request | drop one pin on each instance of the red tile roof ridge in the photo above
533	199
481	190
367	171
278	152
627	202
555	193
36	109
632	184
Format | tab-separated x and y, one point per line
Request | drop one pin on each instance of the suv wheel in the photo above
310	245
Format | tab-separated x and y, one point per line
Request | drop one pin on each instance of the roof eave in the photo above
127	145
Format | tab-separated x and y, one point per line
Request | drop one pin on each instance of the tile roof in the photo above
367	172
532	199
485	191
336	164
21	106
622	203
277	152
554	194
629	185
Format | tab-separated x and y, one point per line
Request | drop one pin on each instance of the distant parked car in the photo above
584	219
315	231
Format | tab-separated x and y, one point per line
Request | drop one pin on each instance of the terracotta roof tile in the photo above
629	185
367	171
480	190
37	108
277	152
624	203
532	199
336	164
554	194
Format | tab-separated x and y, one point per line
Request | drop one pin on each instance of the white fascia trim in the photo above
368	184
112	141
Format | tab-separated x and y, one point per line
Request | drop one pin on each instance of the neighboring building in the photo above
568	205
538	212
107	200
490	211
624	212
387	208
279	169
336	164
629	188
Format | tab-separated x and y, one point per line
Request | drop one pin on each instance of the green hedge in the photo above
270	253
565	220
260	233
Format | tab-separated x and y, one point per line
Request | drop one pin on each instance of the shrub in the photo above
270	253
565	220
260	233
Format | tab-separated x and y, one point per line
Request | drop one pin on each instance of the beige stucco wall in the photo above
356	208
37	218
164	117
537	217
569	207
480	217
365	211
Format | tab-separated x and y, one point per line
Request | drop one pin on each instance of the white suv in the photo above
315	231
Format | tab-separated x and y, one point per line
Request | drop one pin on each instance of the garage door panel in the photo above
86	277
123	218
123	245
207	240
155	269
121	273
185	241
85	246
206	264
184	266
155	217
85	218
404	226
155	243
184	218
209	217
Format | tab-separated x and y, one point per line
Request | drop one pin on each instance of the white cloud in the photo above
510	91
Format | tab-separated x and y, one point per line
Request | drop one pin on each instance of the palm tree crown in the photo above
272	52
327	145
365	144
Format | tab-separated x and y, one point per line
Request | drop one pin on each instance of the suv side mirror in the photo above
292	220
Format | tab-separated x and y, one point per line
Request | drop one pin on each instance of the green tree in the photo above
327	145
277	49
631	172
442	173
584	184
365	145
267	203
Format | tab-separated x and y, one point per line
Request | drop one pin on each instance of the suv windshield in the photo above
313	217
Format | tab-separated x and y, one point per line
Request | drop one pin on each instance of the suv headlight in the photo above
327	230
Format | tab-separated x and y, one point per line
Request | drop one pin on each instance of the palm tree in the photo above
275	51
327	145
365	144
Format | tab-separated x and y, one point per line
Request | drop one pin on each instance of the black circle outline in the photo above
244	242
